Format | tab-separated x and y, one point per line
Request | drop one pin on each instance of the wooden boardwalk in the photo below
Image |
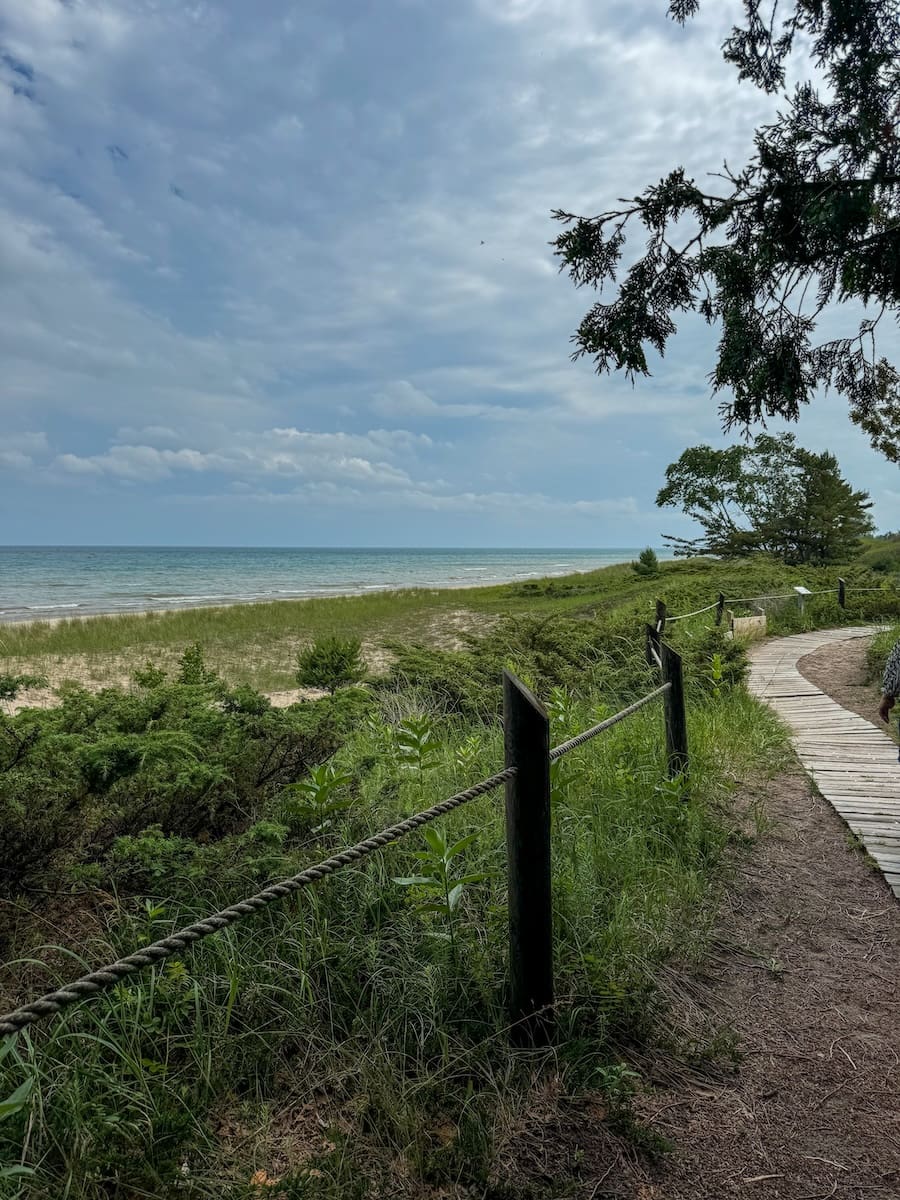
852	762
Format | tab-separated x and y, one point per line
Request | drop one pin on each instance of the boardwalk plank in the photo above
851	761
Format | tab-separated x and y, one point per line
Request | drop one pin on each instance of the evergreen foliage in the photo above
812	219
647	564
330	663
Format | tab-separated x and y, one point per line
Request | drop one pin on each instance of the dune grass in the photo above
257	643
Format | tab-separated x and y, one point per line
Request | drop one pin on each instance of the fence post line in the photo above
842	593
676	718
526	741
720	608
661	616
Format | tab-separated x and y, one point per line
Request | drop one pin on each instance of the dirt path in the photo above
804	971
802	983
840	671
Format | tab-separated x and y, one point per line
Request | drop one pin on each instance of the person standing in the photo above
890	686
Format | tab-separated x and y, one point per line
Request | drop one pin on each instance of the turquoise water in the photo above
65	581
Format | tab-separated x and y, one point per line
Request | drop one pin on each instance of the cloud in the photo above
403	399
144	463
229	247
15	460
32	443
275	453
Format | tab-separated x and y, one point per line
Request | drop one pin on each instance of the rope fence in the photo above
525	1004
840	591
695	613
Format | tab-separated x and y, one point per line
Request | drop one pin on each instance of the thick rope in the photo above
95	981
581	738
695	613
777	596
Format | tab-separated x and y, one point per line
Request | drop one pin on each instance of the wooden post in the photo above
676	719
661	616
842	593
720	608
526	740
652	643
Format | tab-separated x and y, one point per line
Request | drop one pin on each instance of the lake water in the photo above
65	581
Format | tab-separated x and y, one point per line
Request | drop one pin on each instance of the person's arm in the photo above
890	686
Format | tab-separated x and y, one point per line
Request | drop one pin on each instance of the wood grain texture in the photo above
851	761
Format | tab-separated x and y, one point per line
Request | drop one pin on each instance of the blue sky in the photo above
279	273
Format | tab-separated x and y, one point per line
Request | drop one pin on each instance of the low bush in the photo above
190	756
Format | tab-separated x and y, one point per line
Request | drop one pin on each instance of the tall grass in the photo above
878	651
340	1040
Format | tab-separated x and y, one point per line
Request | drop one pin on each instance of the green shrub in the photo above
149	676
192	758
330	663
647	565
193	669
11	685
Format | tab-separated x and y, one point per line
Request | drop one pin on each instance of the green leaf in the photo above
432	906
475	877
436	840
454	896
461	845
17	1100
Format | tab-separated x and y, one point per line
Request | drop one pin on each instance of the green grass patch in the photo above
356	1034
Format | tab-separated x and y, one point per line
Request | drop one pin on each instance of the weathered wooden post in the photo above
676	717
842	593
526	740
661	616
720	608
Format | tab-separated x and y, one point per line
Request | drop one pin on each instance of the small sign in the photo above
802	591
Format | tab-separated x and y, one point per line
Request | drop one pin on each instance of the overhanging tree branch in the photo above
818	202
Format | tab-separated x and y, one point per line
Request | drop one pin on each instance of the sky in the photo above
280	273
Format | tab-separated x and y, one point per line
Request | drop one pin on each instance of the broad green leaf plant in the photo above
442	888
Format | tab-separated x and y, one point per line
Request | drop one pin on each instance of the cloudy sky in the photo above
278	273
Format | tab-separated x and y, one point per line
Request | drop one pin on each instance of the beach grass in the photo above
257	643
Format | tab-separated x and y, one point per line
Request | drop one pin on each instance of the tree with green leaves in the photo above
770	495
812	219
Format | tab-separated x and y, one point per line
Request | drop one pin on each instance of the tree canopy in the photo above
770	495
812	218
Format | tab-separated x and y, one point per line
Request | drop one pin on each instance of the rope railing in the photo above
602	726
95	981
695	613
772	596
840	590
